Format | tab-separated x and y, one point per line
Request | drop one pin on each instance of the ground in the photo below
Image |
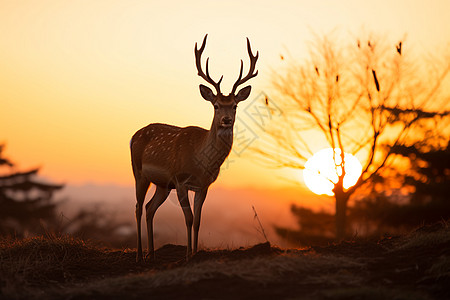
414	266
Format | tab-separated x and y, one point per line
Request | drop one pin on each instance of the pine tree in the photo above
26	203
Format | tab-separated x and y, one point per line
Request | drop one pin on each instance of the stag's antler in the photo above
250	74
198	56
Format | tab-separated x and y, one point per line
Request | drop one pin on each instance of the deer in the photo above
186	159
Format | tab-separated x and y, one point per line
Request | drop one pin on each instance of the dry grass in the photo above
268	270
26	264
416	266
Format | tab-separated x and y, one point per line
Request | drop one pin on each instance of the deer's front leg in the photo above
182	193
199	199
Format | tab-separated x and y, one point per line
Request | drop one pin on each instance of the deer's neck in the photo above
222	138
217	146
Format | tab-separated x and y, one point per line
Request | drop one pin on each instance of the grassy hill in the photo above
414	266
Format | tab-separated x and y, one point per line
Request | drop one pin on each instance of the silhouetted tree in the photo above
362	99
27	208
427	178
385	209
429	173
25	202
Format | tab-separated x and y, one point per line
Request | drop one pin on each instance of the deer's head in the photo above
225	106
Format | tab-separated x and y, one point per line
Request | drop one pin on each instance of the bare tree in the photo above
363	99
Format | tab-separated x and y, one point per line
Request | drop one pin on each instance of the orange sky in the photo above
78	78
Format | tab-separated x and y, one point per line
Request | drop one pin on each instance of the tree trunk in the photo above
341	210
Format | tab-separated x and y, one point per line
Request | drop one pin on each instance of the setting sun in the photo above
320	171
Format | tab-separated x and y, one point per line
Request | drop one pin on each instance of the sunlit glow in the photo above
321	173
78	78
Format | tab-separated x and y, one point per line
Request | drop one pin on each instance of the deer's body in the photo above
186	158
158	149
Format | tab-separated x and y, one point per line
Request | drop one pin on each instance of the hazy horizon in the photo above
227	219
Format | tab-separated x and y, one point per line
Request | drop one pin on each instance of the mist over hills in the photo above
228	219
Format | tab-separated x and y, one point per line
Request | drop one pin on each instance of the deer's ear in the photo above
243	94
206	93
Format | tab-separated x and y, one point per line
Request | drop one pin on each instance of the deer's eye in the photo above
216	107
234	107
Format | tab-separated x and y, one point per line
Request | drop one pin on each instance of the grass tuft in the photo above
426	236
29	262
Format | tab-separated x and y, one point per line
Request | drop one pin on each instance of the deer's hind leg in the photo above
158	198
182	193
199	199
142	186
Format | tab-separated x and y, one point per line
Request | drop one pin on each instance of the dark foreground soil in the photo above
415	266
